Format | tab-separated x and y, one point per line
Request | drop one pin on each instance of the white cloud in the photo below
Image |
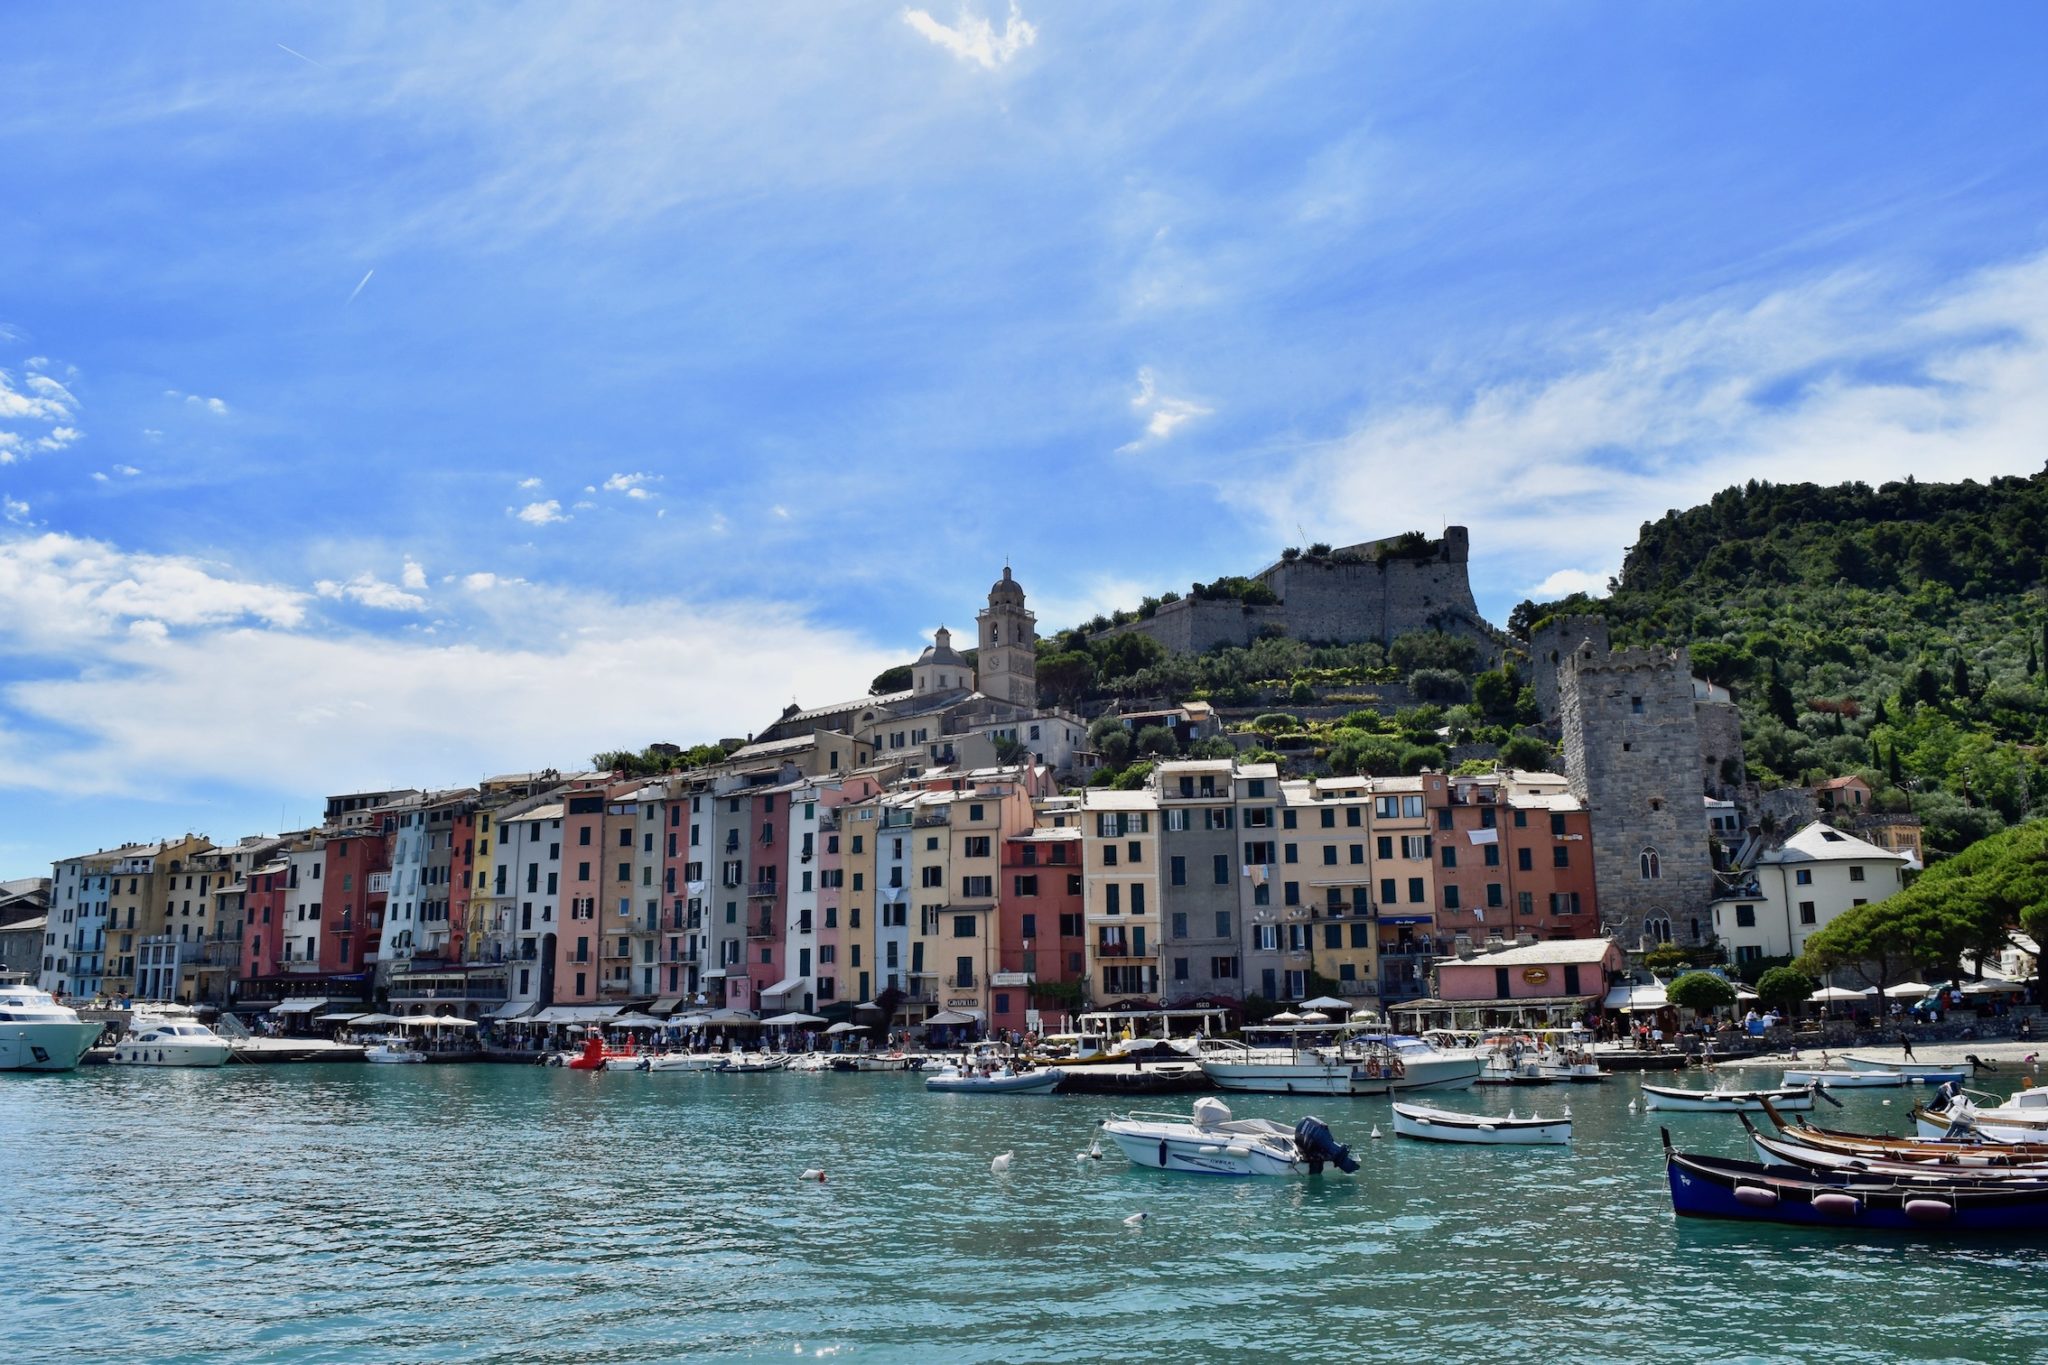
212	405
15	510
1097	595
371	591
413	576
171	712
1565	582
973	39
632	485
126	471
479	582
1163	415
540	513
98	477
1839	379
528	485
37	401
779	512
58	592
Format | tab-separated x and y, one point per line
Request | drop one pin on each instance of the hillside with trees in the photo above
1898	633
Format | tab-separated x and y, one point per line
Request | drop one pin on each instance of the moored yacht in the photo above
1286	1069
38	1034
170	1039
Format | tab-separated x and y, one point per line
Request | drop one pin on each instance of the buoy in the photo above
814	1173
1567	1111
1887	1104
1631	1106
1136	1220
1375	1130
1002	1163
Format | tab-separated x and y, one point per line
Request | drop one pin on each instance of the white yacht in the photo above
1285	1069
1423	1065
170	1039
38	1034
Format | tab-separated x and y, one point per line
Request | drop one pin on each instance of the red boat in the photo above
595	1055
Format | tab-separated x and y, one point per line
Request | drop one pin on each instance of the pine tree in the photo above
1961	684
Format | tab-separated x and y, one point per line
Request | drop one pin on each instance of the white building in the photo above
75	953
528	874
1800	887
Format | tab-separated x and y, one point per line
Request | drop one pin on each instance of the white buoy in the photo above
1631	1106
1002	1163
1887	1104
1567	1111
1375	1132
1136	1220
816	1173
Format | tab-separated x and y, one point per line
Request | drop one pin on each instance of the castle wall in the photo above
1548	646
1720	726
1632	756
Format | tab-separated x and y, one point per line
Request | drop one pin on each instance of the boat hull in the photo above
1675	1100
134	1052
1912	1071
1747	1191
1479	1130
1206	1155
1846	1080
1023	1083
56	1045
1303	1078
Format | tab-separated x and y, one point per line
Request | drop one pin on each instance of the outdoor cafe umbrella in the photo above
848	1028
782	1020
1315	1017
1829	994
635	1021
1326	1002
1284	1017
1906	990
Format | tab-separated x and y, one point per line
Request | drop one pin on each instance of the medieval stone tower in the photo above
1632	755
1008	663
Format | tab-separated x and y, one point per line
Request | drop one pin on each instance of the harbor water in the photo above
491	1213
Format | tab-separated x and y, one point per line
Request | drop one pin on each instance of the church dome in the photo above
941	653
1006	590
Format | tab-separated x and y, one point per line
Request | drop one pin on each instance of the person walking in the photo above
1906	1045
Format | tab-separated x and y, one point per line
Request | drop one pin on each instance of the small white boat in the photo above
2023	1118
1916	1073
751	1063
170	1040
1845	1080
1671	1097
884	1061
1000	1082
1447	1125
392	1051
38	1034
631	1061
1272	1070
1211	1142
685	1061
810	1064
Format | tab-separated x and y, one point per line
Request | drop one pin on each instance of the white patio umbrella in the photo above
1284	1017
1906	990
782	1020
847	1028
1315	1017
1830	994
1326	1002
635	1021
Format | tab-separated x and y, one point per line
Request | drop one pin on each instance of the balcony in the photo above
765	929
379	883
761	889
928	821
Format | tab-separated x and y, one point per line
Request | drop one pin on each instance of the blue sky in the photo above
398	394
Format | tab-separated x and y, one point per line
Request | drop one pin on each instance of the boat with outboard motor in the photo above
169	1037
1718	1101
1211	1142
965	1078
1968	1150
1716	1187
2023	1118
38	1034
1411	1063
1426	1124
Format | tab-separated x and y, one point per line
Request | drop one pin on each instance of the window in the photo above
1258	852
1329	855
1415	846
1180	924
963	926
1176	821
1178	870
1560	856
977	888
1223	968
1525	902
1266	938
1803	877
1289	853
1450	856
1524	860
1109	855
1025	886
1387	896
1137	898
977	844
1385	846
1329	818
1358	855
1113	899
1521	819
1745	917
1493	894
1806	913
931	877
1855	874
1070	926
1635	706
1223	924
1450	898
1180	969
1653	868
582	835
1291	893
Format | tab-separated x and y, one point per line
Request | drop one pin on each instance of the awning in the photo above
575	1014
1993	987
1830	993
950	1017
731	1016
514	1010
1635	998
715	974
667	1005
1326	1002
788	983
298	1006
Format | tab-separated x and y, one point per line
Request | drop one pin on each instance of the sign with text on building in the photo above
1535	976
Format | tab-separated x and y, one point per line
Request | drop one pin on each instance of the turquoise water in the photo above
351	1213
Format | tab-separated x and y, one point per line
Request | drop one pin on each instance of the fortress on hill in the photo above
1376	591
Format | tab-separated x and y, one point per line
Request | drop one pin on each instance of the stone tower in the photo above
1632	755
1008	664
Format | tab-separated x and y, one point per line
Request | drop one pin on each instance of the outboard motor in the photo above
1313	1140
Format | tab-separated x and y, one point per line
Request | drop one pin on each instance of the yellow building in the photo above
1120	868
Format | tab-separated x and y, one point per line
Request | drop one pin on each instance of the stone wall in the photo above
1348	597
1720	726
1632	755
1547	647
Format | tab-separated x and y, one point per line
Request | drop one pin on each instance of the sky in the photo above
396	394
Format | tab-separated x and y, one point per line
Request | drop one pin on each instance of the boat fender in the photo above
1397	1068
1211	1149
1488	1128
1756	1196
1239	1152
1929	1210
1837	1205
1162	1154
1372	1068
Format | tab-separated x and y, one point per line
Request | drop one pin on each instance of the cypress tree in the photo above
1891	762
1961	682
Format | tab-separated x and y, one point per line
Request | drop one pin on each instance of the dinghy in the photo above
1448	1125
1845	1080
1002	1082
1725	1101
1211	1142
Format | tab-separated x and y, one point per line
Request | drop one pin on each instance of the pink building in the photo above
1565	973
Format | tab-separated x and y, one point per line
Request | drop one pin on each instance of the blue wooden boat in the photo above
1944	1204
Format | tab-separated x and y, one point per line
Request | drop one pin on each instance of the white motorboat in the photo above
1845	1080
38	1034
1448	1125
1000	1081
1717	1101
1419	1063
1287	1070
170	1039
392	1050
1908	1068
884	1061
2023	1118
1211	1142
686	1061
810	1064
750	1063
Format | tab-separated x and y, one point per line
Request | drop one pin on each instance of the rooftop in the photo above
1821	842
1553	952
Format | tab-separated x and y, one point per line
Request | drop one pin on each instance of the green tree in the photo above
1784	987
895	679
1111	740
1494	691
1527	753
1156	741
1701	992
1065	678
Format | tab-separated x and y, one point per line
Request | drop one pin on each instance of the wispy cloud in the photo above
528	485
371	591
632	485
973	38
57	590
217	406
1163	415
37	413
1845	377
